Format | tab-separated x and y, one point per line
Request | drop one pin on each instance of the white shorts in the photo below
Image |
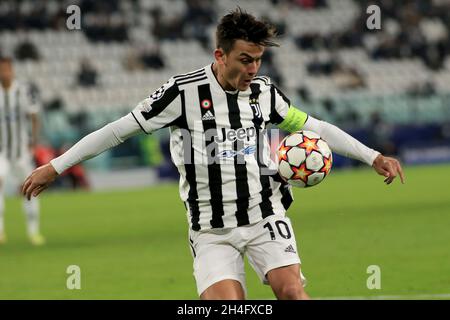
20	168
219	253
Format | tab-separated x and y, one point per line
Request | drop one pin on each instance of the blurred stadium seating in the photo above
384	86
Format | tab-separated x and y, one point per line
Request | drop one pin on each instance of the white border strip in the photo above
387	297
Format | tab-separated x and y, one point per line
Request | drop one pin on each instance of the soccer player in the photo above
17	109
217	116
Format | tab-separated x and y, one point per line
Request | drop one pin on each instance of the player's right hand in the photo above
39	180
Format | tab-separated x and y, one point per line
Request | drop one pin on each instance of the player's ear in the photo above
220	56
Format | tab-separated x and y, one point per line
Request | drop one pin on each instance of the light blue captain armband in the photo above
294	120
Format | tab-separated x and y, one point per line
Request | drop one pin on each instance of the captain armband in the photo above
294	120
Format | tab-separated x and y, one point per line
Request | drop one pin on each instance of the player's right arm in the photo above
160	109
93	144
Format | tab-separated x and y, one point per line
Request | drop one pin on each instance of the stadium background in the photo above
390	88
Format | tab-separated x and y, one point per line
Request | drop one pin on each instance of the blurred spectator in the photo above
304	94
106	28
268	68
80	121
152	59
324	66
380	135
310	4
100	6
75	176
144	58
330	114
388	48
43	154
191	24
422	89
433	57
309	41
198	16
26	50
351	119
87	75
57	129
132	61
166	29
38	18
348	78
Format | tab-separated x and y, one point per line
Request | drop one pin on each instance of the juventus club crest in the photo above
254	104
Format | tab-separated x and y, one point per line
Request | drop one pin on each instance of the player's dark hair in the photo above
240	25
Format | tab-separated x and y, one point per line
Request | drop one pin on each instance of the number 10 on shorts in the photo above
282	228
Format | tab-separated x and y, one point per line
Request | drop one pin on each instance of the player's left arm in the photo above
343	143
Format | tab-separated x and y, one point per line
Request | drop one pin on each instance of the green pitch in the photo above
133	244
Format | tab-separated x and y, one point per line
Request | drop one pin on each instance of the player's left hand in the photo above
388	167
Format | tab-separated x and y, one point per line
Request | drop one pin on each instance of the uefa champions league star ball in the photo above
304	159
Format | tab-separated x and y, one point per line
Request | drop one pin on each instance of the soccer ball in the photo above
304	159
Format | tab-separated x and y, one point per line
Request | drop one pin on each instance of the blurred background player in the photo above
17	110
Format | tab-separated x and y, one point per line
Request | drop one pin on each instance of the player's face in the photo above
240	65
6	72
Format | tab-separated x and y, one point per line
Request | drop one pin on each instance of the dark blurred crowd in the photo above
192	24
109	20
401	36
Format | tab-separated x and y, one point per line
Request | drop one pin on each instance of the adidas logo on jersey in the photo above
208	116
290	248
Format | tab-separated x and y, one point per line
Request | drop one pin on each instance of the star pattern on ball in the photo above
301	173
327	162
282	152
309	145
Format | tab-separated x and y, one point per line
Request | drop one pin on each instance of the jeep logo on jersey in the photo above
232	135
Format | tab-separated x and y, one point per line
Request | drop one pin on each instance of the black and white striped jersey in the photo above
220	147
16	104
